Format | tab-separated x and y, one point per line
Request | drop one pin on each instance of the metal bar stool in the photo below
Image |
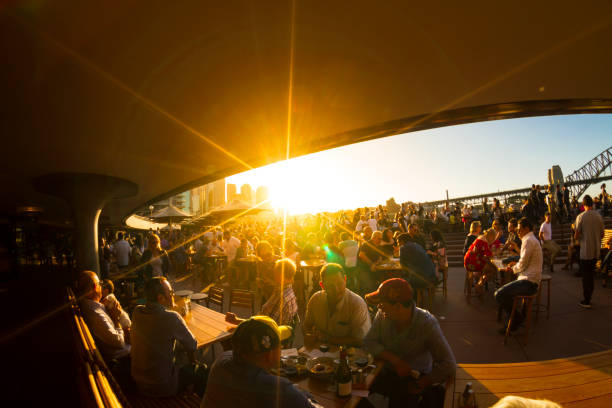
420	293
469	285
527	302
546	278
444	288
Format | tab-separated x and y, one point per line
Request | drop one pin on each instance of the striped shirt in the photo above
282	315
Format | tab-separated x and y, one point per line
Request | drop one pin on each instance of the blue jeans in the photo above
505	295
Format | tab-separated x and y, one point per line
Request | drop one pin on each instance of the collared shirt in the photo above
529	265
107	336
422	344
230	246
591	228
373	224
235	383
282	315
155	331
350	319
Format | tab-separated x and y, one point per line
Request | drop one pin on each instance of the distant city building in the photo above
182	201
232	194
246	193
198	196
214	195
219	193
261	194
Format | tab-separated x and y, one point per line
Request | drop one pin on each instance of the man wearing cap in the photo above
335	314
418	359
155	330
241	378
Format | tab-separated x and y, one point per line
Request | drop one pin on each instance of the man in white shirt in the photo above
335	314
362	223
122	250
373	223
105	328
230	245
528	269
546	239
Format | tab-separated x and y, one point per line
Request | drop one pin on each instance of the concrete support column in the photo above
86	194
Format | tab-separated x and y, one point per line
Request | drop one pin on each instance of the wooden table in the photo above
583	381
207	326
389	269
325	392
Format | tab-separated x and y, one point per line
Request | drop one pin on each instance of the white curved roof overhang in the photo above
170	95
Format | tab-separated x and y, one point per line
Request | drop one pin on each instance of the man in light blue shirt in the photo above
418	359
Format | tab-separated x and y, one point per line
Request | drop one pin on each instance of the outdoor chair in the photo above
216	295
242	298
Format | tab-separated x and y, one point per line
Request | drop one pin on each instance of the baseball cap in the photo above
259	334
391	290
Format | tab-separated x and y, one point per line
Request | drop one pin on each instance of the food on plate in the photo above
322	368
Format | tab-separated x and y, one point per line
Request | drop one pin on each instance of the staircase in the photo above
561	235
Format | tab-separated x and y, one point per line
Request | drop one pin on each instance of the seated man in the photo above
104	324
155	330
335	314
282	305
422	271
241	378
528	269
418	359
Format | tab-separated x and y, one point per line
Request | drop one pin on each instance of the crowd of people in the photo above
356	305
406	338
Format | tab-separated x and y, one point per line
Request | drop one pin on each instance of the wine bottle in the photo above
464	398
344	379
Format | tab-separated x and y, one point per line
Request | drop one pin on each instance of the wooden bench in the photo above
583	381
102	390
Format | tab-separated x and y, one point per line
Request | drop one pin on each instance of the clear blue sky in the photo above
466	159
